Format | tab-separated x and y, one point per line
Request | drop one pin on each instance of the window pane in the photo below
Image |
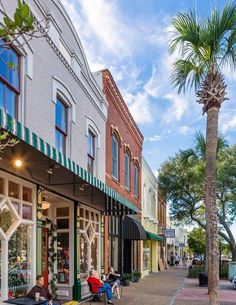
63	223
62	212
27	194
94	253
2	93
11	98
3	62
13	70
13	190
19	261
6	218
127	171
63	270
83	255
27	212
61	115
114	157
90	165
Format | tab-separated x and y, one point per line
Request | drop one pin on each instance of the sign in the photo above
169	233
181	245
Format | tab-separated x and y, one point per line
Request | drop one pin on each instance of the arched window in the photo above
136	180
127	170
115	157
61	125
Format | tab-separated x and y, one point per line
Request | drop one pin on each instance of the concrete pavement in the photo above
171	287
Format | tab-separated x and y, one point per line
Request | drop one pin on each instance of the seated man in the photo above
97	286
43	292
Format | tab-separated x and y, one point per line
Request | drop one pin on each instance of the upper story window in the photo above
61	126
136	181
9	80
127	170
115	157
91	152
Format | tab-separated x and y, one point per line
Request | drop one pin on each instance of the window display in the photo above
16	222
19	261
89	241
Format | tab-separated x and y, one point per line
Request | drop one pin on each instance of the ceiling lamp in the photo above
18	163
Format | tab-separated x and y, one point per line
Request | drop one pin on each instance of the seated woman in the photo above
97	286
113	279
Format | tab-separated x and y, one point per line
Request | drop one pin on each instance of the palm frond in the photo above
200	144
186	74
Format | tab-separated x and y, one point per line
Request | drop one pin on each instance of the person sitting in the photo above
42	291
113	279
97	286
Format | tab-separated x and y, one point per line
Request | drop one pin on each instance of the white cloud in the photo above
227	123
177	109
153	84
154	138
186	130
139	107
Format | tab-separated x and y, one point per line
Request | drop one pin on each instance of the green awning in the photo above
153	236
26	135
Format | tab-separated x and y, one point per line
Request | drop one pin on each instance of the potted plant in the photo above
136	275
126	277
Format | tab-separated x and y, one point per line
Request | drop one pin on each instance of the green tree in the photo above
181	181
197	240
204	48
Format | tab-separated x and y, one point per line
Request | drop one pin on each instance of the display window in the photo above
17	221
89	241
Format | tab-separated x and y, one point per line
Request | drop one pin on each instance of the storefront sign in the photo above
169	233
181	245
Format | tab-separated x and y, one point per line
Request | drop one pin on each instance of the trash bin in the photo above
203	279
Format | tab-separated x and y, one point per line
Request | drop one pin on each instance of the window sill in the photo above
115	180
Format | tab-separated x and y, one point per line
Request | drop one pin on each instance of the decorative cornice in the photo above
122	103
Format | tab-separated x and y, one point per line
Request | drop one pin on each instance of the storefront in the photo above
17	235
51	217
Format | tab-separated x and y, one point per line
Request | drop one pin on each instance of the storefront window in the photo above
89	241
83	254
19	261
17	240
113	241
63	257
63	245
6	218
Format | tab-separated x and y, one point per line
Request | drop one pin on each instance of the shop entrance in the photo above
57	244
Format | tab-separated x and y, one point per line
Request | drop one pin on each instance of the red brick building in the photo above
123	173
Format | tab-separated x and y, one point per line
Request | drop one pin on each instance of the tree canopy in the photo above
181	181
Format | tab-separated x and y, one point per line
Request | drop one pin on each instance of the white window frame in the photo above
127	171
5	237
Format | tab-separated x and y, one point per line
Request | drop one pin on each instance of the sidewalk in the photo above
171	287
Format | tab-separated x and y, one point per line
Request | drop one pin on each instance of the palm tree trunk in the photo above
210	201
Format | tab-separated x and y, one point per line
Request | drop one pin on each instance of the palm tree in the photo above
205	48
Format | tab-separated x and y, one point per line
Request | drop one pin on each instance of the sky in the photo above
130	38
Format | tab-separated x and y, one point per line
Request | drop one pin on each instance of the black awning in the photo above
133	229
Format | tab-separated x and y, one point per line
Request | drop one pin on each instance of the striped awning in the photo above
25	134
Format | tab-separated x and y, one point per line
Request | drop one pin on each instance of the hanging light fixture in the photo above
45	204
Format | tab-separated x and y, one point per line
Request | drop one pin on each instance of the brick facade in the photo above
121	123
120	120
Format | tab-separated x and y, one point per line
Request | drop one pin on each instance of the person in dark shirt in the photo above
44	293
97	286
113	279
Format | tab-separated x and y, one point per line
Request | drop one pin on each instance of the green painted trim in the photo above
42	145
19	130
35	140
153	236
27	135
